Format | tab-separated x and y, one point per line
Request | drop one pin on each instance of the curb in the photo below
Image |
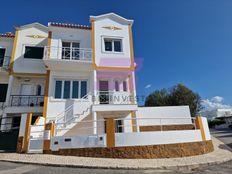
180	167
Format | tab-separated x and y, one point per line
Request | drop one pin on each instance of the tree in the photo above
176	96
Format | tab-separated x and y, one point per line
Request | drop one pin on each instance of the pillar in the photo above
95	87
94	119
24	133
110	132
48	134
199	125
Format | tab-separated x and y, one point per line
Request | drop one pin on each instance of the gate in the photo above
8	135
36	139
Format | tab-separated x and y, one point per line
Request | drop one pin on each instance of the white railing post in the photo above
94	119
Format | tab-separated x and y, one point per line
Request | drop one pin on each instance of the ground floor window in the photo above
66	89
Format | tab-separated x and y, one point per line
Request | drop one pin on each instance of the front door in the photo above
104	92
25	94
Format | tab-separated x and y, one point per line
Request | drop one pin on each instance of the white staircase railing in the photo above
65	119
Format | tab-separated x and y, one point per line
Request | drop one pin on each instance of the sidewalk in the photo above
221	154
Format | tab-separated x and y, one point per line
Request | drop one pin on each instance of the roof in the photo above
112	16
69	25
7	35
35	24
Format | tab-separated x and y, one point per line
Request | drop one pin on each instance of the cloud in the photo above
214	103
148	86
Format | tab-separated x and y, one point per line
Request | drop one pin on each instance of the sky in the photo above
177	41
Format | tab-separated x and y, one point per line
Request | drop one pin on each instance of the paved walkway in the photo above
221	154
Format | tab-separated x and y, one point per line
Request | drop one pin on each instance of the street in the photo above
224	134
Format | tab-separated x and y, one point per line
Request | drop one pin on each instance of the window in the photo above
119	126
113	45
70	50
116	86
58	89
3	89
124	86
33	52
75	89
83	88
67	89
2	54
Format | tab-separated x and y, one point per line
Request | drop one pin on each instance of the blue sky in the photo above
180	41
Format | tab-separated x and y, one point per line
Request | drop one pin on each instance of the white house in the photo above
82	78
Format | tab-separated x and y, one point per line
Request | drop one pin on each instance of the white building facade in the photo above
78	77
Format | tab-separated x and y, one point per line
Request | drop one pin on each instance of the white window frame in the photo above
71	87
112	39
71	46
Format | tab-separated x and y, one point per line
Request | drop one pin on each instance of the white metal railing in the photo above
161	124
68	53
113	97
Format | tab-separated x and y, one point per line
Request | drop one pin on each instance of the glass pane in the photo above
75	89
116	86
66	50
58	89
108	45
117	46
124	86
34	52
83	88
75	50
66	89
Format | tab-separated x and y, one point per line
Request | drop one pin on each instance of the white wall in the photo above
166	115
154	138
116	59
78	142
56	106
22	65
69	35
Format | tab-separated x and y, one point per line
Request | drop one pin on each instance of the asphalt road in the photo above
224	134
16	168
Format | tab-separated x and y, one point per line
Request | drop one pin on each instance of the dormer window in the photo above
113	45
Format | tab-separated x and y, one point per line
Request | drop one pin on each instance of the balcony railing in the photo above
67	53
4	62
112	97
27	100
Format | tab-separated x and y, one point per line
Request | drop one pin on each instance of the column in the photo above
94	115
95	87
133	86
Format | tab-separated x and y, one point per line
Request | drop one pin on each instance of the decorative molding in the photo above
112	28
36	36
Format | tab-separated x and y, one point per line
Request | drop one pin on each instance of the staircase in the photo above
66	120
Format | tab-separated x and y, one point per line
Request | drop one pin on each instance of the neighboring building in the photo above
82	78
224	114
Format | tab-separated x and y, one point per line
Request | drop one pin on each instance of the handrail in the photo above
69	108
68	53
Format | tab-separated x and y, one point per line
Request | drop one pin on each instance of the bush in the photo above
215	122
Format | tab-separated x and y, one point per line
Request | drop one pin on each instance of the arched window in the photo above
38	90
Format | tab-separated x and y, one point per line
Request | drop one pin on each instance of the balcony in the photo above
4	62
67	58
67	53
27	100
